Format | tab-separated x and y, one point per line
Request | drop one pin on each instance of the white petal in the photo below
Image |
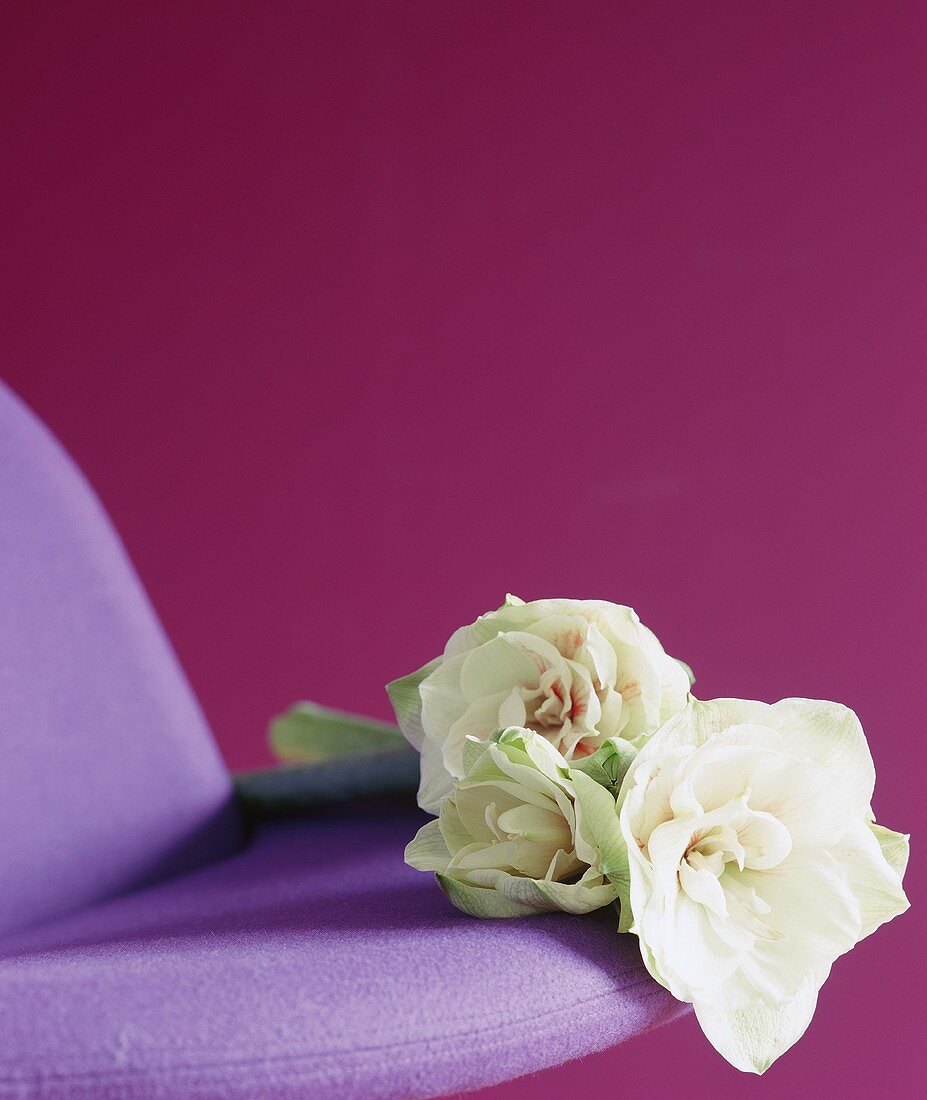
875	884
527	772
687	950
407	702
522	856
699	722
471	803
566	633
766	841
704	888
436	782
479	720
427	851
442	701
513	712
667	845
512	615
599	657
612	721
832	736
644	798
452	827
507	661
895	848
798	792
579	640
754	735
753	1038
542	826
545	757
811	906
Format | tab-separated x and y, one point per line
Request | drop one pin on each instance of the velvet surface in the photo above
110	777
313	964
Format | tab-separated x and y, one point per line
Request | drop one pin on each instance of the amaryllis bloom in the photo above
521	833
754	862
577	672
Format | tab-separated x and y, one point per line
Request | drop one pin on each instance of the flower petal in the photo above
442	702
488	903
766	841
700	721
753	1038
704	888
473	749
811	906
407	702
513	711
506	661
832	736
894	847
874	882
687	952
576	897
479	720
535	824
609	764
427	851
436	781
512	615
599	830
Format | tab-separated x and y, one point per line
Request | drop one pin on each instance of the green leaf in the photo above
309	732
407	701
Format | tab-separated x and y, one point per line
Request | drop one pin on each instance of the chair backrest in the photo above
109	777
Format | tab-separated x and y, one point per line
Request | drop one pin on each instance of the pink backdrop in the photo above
359	315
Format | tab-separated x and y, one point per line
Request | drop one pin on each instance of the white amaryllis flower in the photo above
578	672
754	862
521	833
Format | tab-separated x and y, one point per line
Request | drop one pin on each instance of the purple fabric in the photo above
109	776
313	964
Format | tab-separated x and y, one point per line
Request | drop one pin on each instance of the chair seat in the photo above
312	964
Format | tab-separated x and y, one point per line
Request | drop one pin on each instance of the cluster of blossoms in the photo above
570	768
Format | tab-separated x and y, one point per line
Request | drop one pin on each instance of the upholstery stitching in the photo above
131	1072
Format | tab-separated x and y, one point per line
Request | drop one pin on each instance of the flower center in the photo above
744	839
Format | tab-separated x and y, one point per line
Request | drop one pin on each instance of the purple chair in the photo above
153	946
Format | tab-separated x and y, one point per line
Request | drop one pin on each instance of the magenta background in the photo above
358	315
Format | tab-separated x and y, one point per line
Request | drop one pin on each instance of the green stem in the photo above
291	790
